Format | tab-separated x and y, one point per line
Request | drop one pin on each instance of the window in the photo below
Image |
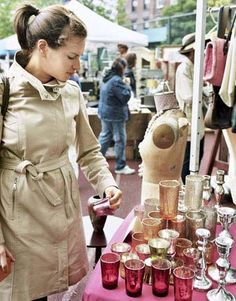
146	4
134	5
159	4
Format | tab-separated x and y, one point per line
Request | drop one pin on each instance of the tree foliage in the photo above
99	9
185	20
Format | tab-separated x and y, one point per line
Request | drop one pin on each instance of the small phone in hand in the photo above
4	274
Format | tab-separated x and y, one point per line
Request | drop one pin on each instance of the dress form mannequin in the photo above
163	147
230	139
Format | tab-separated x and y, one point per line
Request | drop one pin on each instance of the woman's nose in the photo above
76	65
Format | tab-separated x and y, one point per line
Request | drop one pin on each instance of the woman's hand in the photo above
4	253
115	196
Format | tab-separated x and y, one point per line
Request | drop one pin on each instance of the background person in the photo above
184	95
40	214
131	59
122	49
114	113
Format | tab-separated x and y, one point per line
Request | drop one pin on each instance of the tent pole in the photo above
197	85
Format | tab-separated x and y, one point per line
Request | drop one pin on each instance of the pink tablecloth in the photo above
95	292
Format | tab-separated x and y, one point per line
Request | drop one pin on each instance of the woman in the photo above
113	112
40	214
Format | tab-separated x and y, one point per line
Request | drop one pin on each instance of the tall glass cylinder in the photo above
169	197
193	191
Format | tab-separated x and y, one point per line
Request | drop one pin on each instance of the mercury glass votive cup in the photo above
143	251
150	204
158	247
169	197
193	191
151	227
191	257
134	272
181	244
183	283
137	239
156	214
120	248
123	258
178	224
194	219
110	263
171	236
160	277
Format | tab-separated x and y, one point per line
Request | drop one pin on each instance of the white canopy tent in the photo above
101	32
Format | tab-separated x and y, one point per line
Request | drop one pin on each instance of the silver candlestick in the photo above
201	282
224	245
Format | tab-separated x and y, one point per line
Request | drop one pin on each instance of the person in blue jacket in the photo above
114	113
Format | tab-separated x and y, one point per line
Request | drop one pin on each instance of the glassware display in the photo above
169	197
123	258
143	251
193	191
182	209
137	239
207	192
181	244
201	281
191	256
224	245
211	220
150	204
151	226
120	248
171	236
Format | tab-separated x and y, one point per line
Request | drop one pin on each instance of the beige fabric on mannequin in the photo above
162	150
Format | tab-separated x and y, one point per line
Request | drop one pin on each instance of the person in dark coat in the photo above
131	59
113	112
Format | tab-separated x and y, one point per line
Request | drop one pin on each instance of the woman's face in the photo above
62	62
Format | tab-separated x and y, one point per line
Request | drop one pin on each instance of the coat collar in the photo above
49	91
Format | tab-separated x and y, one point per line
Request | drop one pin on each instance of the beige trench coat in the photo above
40	213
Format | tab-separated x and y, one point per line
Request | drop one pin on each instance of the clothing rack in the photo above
198	83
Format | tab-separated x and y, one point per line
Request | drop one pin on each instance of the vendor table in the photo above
136	125
95	292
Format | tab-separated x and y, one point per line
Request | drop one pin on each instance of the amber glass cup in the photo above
181	244
178	224
151	226
169	197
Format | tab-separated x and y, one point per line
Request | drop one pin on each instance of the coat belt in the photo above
36	172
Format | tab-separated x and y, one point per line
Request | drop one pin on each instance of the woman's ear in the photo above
42	46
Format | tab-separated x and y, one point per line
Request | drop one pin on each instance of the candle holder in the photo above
226	216
219	190
224	245
171	236
201	282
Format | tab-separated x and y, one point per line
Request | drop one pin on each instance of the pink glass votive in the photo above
120	248
160	277
181	244
183	283
191	256
134	272
156	214
143	251
110	263
123	258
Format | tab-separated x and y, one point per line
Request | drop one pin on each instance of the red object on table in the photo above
95	292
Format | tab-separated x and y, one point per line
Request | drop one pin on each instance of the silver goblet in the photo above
226	216
201	282
224	245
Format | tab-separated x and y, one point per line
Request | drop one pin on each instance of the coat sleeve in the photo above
121	91
89	157
2	240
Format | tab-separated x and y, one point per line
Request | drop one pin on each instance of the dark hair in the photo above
55	24
131	59
123	46
118	66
